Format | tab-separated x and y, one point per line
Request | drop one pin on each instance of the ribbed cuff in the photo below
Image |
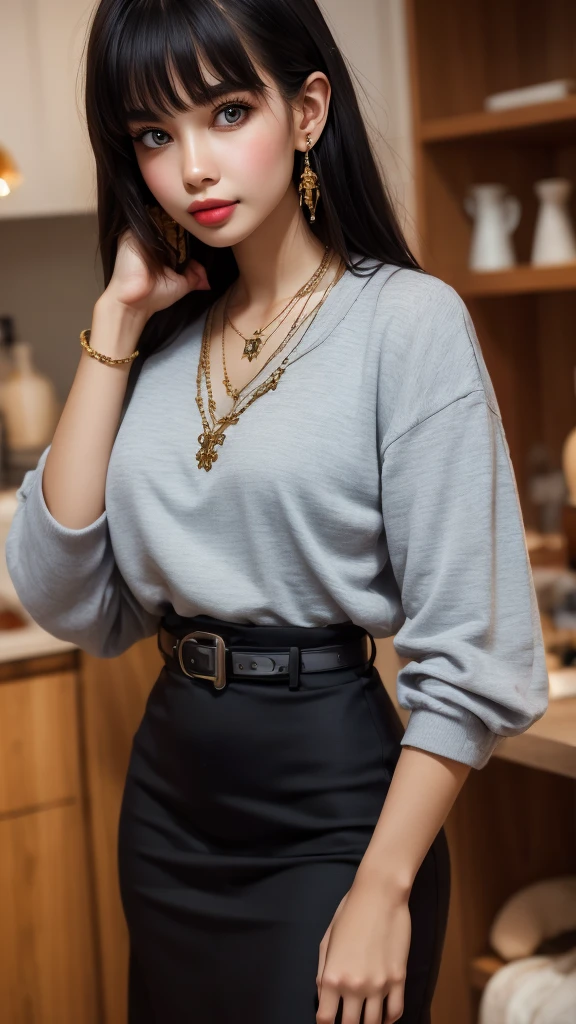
465	739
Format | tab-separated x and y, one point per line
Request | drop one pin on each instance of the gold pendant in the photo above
253	345
206	454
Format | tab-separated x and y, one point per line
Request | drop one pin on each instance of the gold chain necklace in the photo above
232	392
254	343
209	438
206	362
318	275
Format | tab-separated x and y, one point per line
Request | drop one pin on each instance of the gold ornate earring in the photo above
309	188
172	232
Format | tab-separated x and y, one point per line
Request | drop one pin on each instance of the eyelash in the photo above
230	103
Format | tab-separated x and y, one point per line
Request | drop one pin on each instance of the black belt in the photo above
215	661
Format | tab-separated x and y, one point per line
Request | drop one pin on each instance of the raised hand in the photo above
135	286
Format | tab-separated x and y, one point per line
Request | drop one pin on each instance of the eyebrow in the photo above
146	113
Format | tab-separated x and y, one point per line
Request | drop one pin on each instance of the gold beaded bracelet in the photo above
84	339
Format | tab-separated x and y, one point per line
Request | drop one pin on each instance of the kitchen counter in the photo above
31	641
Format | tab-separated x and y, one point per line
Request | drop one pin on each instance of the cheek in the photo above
156	174
262	161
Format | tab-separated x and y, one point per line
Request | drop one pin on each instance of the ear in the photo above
311	109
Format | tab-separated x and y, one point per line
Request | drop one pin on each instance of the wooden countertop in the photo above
549	744
31	641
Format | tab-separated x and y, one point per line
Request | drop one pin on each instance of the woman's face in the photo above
240	149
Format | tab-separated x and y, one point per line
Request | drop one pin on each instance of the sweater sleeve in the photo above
457	547
67	579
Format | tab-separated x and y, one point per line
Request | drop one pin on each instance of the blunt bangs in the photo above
159	44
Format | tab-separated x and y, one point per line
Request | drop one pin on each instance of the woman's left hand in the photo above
363	956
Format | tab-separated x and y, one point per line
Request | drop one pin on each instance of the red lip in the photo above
208	204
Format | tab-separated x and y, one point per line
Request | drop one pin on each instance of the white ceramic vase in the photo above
496	216
554	240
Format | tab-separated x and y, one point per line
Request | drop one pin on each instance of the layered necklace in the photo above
256	341
214	435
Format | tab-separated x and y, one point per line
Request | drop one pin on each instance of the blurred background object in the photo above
528	95
10	176
28	405
554	240
496	216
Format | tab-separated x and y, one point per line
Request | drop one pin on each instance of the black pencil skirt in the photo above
245	815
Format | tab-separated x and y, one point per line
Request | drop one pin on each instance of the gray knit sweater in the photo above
373	485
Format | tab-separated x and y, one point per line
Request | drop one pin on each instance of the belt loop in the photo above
294	668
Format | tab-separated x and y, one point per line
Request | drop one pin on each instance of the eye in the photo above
234	106
152	132
231	107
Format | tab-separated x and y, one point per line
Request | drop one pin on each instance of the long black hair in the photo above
135	47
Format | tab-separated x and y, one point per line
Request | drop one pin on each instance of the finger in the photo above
374	1010
328	1004
191	280
322	951
201	275
394	1003
352	1008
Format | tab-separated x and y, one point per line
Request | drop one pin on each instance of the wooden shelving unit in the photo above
515	821
519	280
538	122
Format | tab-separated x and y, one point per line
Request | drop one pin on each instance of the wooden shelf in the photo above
541	120
522	279
549	744
483	968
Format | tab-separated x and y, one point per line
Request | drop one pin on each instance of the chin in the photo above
223	239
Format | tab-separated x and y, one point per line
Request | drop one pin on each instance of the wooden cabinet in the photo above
115	693
66	728
47	941
41	107
460	53
46	945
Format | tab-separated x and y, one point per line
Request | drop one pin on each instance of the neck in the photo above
276	259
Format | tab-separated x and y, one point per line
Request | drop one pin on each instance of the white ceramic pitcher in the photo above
554	240
496	216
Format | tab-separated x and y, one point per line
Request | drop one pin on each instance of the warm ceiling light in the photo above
10	176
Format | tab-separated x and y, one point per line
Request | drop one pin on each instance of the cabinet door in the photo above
38	742
46	944
41	107
114	699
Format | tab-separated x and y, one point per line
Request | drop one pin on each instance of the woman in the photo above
281	442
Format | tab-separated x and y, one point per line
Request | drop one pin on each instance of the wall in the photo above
372	35
49	273
49	281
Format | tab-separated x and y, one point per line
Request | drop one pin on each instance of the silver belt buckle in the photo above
219	679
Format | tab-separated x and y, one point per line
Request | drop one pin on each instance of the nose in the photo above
198	163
